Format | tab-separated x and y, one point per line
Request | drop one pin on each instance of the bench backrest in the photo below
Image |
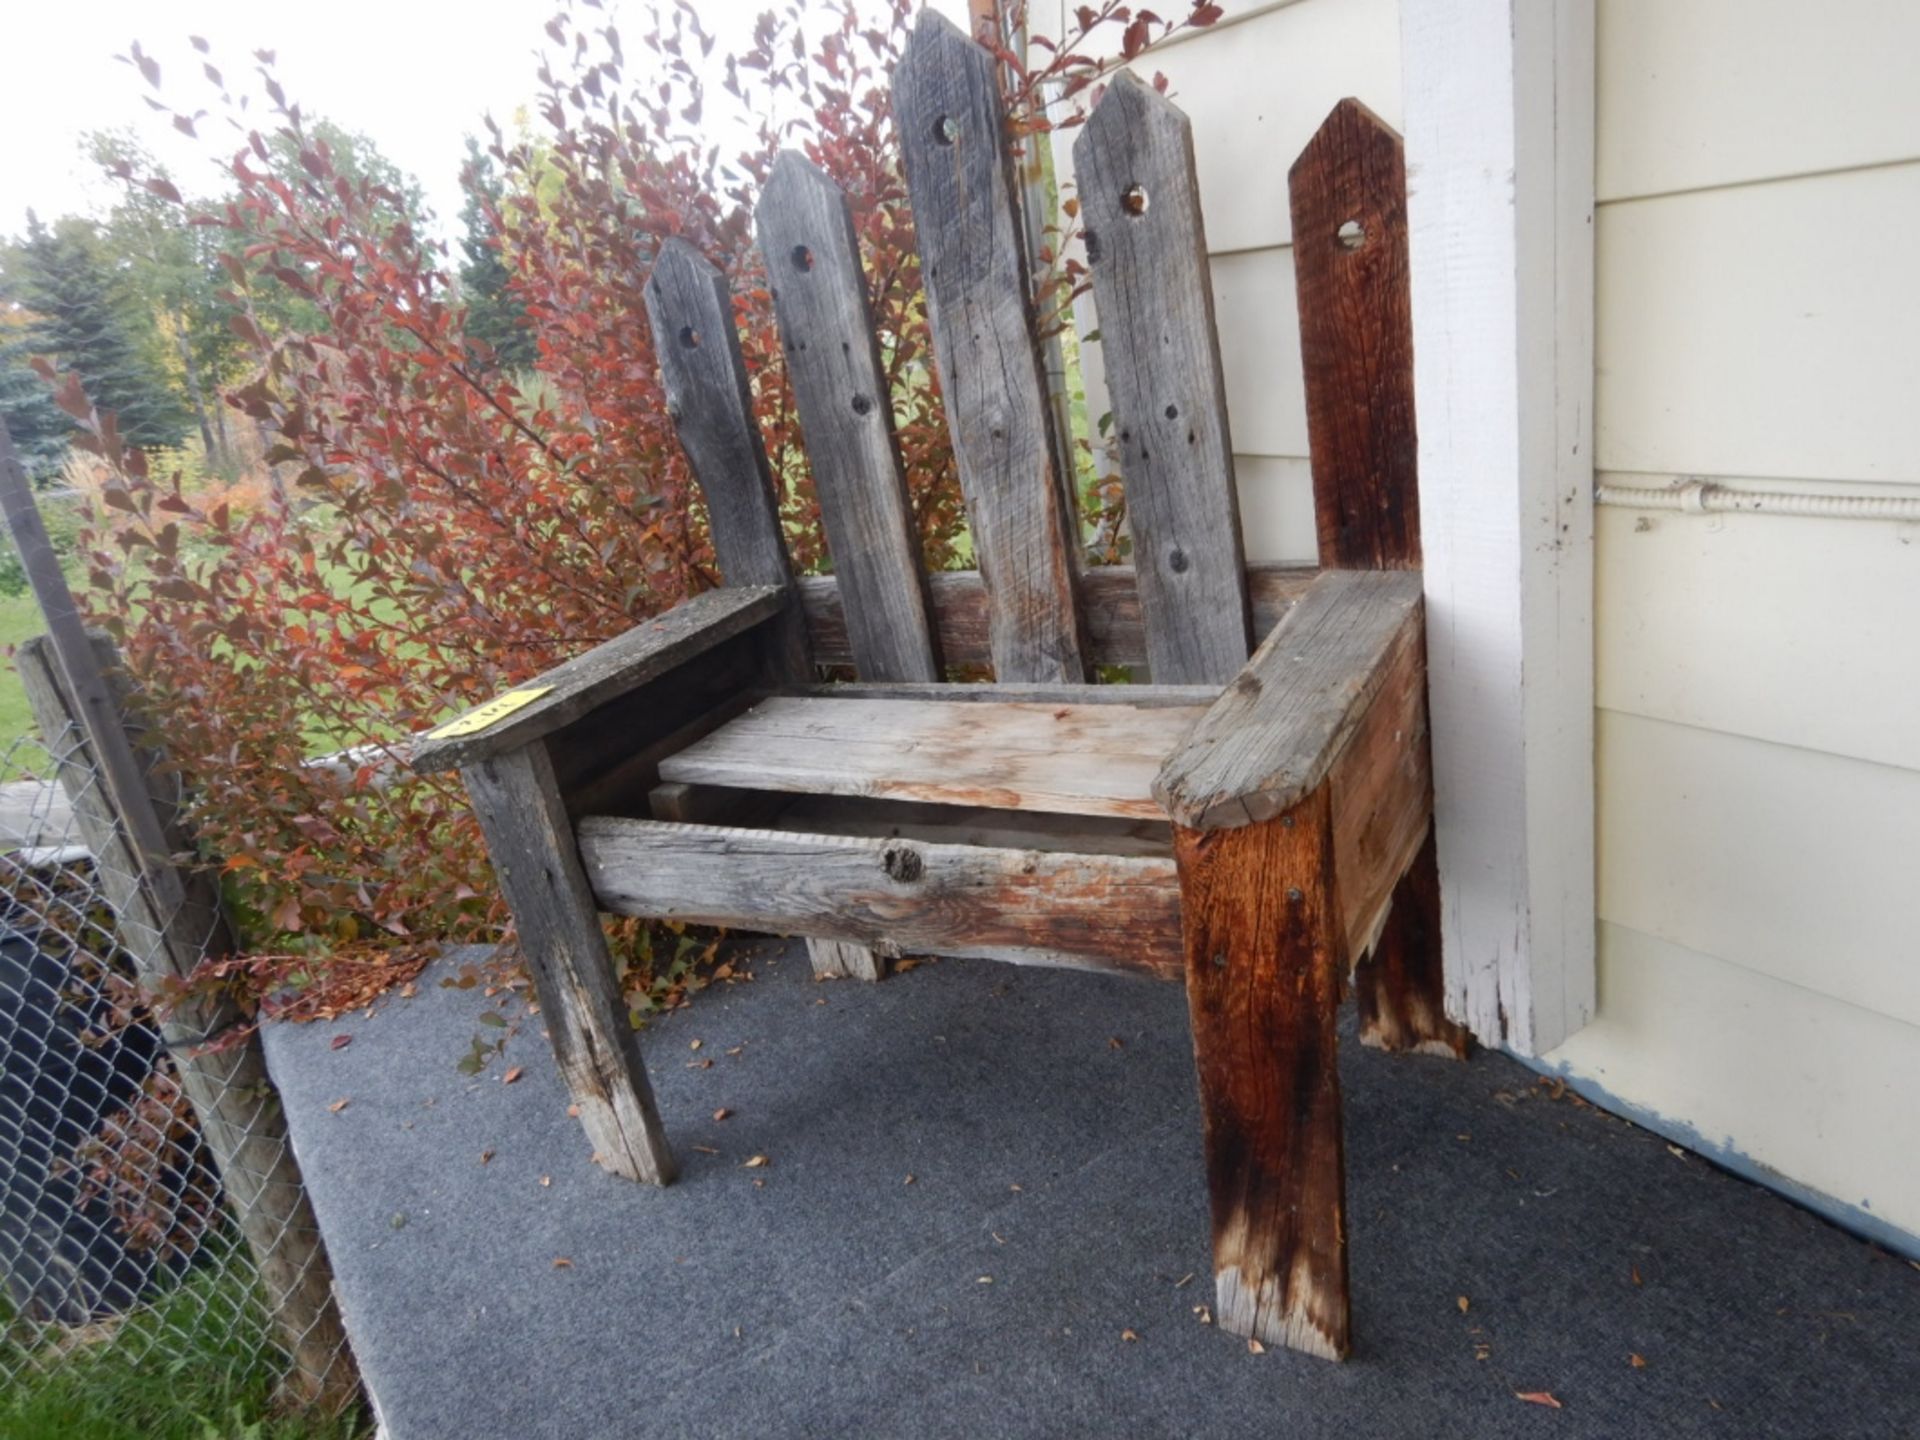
1186	599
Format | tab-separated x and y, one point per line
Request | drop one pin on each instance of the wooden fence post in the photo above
169	919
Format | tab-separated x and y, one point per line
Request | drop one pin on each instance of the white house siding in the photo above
1758	677
1758	322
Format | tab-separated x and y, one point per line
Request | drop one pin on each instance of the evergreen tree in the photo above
83	320
38	427
494	313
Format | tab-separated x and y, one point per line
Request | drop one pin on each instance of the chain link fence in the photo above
151	1213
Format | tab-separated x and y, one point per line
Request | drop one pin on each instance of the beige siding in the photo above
1758	321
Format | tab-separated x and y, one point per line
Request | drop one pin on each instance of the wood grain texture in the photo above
1153	696
844	960
952	127
812	259
537	864
1399	989
1349	190
612	669
1109	604
911	895
1277	731
1148	248
711	404
1070	759
1264	961
1356	327
1382	796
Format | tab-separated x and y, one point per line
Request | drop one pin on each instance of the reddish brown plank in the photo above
1349	190
1265	956
1356	341
1400	989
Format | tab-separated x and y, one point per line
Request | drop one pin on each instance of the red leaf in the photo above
1539	1397
340	1042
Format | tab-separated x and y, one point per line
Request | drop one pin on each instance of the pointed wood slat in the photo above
1356	340
1141	205
708	397
953	137
812	257
1349	192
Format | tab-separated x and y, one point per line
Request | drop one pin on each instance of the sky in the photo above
415	75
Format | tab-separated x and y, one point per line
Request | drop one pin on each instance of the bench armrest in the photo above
608	671
1278	729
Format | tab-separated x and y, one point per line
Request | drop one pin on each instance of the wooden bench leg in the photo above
538	865
1399	988
1265	953
845	960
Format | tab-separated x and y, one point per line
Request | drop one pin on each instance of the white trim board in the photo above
1499	108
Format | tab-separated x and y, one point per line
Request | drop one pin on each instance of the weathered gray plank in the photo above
1277	731
1109	604
535	859
953	137
921	898
1144	695
908	819
609	670
833	360
1141	205
711	403
1069	759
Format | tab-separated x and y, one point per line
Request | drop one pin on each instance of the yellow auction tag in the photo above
491	713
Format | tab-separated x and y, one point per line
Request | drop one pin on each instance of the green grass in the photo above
19	620
192	1366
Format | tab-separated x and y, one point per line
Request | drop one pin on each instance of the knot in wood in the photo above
903	863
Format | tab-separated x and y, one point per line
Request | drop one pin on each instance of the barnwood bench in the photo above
1253	822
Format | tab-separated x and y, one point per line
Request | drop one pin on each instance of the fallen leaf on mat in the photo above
984	1280
337	1106
546	1180
512	1075
573	1112
706	1149
695	1045
340	1042
1462	1303
1206	1315
1254	1347
1639	1362
561	1262
1539	1397
699	1064
1128	1335
1676	1152
907	1181
722	1113
1636	1273
485	1156
755	1162
1115	1043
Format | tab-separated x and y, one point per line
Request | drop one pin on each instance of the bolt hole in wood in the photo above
862	404
802	258
1351	235
903	864
689	337
1134	199
945	130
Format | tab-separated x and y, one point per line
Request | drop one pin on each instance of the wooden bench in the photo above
1253	822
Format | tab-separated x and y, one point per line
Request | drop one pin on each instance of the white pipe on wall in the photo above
1704	497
